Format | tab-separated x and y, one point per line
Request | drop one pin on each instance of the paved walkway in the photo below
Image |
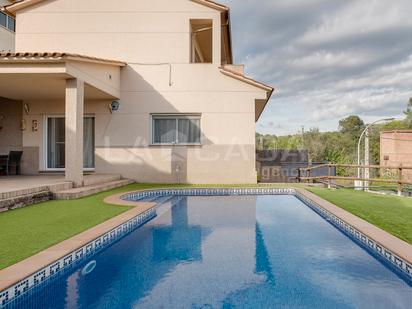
24	183
17	183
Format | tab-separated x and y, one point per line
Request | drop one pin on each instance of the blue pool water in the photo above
229	252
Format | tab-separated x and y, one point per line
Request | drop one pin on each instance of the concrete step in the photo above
31	190
94	179
76	193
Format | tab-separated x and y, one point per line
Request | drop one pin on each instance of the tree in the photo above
315	145
352	125
408	113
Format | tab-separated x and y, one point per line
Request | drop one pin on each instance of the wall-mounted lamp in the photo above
23	125
114	106
26	108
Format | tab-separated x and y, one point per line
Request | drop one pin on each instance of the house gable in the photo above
19	5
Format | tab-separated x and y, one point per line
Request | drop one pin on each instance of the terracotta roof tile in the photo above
29	56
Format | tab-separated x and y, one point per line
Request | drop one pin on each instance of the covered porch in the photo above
44	95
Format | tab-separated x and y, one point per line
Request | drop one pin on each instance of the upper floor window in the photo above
7	22
201	31
176	129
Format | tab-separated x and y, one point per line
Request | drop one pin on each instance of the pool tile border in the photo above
376	248
75	257
403	265
142	195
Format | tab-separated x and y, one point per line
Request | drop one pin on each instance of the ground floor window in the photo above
56	135
176	129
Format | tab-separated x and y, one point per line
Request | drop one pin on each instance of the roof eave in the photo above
269	95
269	90
13	8
55	57
247	80
213	5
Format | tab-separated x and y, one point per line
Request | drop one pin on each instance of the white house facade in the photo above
146	89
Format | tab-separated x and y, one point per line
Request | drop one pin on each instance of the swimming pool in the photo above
242	251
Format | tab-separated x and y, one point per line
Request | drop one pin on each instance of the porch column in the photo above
74	131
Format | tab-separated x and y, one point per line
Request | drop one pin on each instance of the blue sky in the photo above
327	59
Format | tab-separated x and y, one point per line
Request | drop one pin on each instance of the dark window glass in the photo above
56	132
189	131
176	130
11	24
3	19
164	131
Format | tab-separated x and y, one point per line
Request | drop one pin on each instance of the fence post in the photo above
400	187
329	176
309	175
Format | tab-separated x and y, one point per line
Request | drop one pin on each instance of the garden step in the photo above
76	193
25	200
31	190
95	179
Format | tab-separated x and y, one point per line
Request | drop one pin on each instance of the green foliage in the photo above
336	147
352	126
408	114
396	125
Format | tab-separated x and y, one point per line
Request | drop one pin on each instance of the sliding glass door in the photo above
56	143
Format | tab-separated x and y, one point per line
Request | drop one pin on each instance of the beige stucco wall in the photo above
148	32
6	40
10	133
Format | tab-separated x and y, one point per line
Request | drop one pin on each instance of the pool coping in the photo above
15	273
17	276
380	236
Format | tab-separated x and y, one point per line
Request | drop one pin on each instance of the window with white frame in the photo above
176	129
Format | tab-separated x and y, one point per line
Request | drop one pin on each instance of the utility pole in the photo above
303	137
367	160
359	183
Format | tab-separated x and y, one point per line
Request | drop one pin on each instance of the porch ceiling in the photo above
28	76
42	86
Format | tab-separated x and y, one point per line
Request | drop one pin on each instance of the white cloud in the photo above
326	58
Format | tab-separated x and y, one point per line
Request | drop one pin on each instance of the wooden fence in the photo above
305	175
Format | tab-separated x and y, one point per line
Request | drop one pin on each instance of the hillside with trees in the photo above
339	146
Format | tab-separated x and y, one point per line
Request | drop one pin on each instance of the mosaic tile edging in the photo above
361	239
138	196
39	277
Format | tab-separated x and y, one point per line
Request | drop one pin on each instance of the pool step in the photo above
76	193
164	199
158	199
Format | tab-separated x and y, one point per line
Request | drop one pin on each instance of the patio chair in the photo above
11	161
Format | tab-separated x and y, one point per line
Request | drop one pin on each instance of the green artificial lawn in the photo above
391	213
